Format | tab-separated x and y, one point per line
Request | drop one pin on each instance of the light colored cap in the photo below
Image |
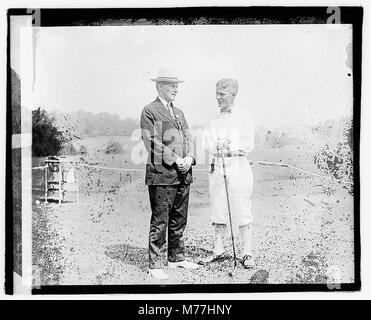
166	75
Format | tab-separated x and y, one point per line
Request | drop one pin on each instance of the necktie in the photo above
170	109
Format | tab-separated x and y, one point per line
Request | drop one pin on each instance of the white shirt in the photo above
236	126
166	104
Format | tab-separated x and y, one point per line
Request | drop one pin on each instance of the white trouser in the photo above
245	239
240	184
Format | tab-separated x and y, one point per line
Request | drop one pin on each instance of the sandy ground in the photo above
302	233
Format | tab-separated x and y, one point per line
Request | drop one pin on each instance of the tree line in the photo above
82	124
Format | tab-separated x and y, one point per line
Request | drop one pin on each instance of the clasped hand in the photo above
222	143
184	164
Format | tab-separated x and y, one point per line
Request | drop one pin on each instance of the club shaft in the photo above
228	204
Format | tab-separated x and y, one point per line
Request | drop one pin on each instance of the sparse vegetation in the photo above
337	160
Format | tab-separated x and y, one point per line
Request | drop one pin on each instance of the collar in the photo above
164	102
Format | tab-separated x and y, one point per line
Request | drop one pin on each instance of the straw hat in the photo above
166	75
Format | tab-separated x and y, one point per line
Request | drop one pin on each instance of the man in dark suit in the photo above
167	139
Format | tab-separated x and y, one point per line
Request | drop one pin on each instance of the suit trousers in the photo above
169	205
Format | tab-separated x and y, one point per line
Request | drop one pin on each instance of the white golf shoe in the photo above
158	274
248	261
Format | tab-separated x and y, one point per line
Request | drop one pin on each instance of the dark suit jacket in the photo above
165	138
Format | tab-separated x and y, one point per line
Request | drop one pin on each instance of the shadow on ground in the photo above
127	254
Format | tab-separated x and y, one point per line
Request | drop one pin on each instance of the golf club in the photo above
231	273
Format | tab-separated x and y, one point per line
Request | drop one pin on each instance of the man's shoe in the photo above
248	262
183	264
158	274
213	258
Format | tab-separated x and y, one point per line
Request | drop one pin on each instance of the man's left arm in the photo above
190	150
245	144
247	138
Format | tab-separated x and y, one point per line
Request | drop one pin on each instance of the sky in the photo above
288	74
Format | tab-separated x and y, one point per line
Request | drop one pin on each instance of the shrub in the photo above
114	148
83	150
46	138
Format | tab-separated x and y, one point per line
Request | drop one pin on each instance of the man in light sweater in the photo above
231	129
